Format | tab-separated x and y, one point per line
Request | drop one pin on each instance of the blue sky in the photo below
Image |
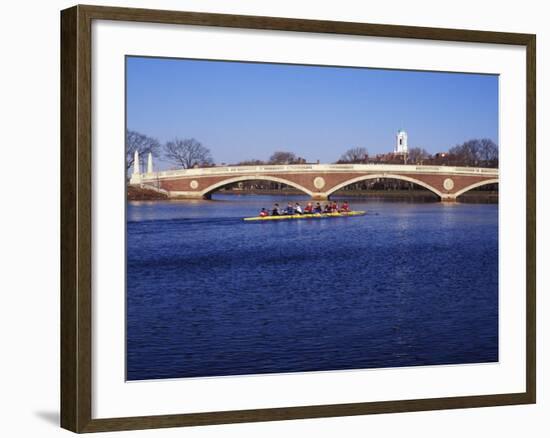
248	110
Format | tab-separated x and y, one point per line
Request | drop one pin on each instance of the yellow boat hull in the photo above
305	216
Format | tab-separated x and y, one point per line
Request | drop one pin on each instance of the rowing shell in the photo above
305	216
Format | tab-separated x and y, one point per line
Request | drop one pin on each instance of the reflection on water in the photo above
209	294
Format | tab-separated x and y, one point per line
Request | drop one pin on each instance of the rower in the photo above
298	208
289	209
276	211
264	213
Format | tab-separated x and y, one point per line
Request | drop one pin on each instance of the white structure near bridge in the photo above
401	143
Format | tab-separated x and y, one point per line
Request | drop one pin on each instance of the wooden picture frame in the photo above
76	217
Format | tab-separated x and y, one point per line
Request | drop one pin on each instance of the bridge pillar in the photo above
319	197
187	195
448	198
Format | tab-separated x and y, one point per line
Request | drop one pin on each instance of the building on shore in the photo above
401	146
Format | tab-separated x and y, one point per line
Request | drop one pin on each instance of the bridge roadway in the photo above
319	181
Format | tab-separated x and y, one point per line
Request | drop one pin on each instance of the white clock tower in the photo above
401	143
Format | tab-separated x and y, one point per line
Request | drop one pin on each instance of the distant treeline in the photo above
185	153
472	153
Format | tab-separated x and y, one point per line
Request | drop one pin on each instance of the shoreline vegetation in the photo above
473	196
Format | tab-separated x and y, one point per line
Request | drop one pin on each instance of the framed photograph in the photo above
271	218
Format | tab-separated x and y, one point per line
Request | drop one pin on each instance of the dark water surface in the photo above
209	295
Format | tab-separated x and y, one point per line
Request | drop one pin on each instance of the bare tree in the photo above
354	155
281	157
465	154
488	152
136	141
417	155
187	153
476	152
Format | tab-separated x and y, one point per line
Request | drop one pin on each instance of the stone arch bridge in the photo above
319	181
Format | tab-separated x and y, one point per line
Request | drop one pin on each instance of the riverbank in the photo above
140	194
476	196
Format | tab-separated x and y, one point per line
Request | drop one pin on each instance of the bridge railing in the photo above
397	168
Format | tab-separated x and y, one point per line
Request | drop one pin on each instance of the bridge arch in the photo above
382	175
207	191
476	185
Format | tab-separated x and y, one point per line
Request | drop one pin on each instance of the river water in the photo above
208	294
